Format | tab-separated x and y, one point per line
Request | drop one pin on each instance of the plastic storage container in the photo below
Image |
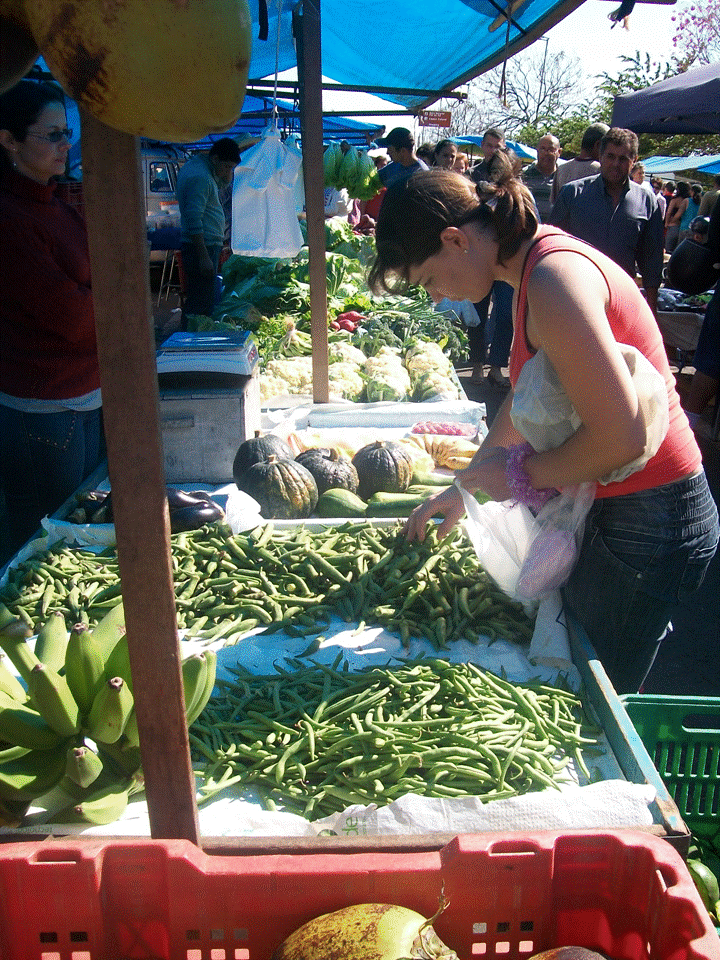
510	895
682	737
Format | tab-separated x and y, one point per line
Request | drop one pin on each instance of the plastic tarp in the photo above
408	45
686	103
705	164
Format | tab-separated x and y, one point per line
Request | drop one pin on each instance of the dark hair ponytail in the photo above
414	214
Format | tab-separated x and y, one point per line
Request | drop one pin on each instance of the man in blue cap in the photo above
400	145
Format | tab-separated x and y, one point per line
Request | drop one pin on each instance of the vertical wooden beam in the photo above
115	211
306	26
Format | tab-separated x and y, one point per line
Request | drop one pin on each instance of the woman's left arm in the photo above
567	300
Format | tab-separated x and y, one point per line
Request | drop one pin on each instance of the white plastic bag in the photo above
501	534
555	546
264	214
543	414
528	556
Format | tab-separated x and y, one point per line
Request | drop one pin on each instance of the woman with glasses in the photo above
50	416
650	536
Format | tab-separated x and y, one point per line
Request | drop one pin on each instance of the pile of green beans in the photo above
294	580
315	739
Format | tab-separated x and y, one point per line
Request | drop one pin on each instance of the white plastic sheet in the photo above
264	213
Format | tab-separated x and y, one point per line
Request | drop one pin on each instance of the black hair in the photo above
441	144
414	214
21	105
593	134
226	149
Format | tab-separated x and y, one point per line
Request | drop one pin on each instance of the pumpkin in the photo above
258	448
330	468
285	490
383	465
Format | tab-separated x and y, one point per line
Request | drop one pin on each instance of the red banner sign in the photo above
434	118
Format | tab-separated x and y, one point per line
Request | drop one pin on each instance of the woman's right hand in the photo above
448	502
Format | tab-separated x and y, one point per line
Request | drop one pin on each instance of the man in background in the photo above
538	176
493	139
709	198
615	215
585	164
202	221
404	162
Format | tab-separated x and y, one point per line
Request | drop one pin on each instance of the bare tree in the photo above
535	90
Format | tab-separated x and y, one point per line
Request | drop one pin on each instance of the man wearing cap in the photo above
400	145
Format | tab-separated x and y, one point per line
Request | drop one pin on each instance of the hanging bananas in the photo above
76	686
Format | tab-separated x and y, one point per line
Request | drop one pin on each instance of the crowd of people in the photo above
603	196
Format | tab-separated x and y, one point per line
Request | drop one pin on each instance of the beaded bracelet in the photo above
519	482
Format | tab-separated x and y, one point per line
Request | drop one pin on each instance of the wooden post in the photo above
115	211
307	37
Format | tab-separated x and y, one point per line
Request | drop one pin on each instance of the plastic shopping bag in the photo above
501	534
264	213
556	543
528	556
543	414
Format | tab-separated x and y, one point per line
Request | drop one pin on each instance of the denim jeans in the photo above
642	554
44	457
497	330
201	290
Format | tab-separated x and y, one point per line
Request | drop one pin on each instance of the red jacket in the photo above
48	348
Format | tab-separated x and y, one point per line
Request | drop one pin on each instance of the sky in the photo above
587	34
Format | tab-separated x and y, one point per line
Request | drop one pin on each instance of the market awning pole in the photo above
306	26
114	204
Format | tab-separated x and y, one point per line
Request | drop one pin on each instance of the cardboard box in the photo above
203	421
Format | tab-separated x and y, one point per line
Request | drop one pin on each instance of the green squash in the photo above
284	489
258	448
331	469
383	466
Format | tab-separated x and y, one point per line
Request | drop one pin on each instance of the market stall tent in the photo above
686	103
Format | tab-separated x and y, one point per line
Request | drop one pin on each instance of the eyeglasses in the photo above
53	136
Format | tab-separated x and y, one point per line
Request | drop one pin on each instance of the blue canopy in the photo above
408	47
686	103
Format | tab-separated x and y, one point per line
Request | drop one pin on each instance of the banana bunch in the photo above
76	687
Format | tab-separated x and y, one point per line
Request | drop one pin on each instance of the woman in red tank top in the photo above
648	539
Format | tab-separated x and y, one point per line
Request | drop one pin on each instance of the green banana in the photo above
117	663
13	641
131	734
103	806
6	617
110	711
705	882
10	685
53	700
201	703
12	753
194	677
84	666
83	766
23	727
52	640
33	775
109	630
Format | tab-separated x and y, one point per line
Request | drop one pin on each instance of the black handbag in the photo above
692	268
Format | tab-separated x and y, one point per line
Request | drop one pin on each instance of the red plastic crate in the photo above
625	894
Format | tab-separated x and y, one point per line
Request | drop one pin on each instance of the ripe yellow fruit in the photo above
172	70
18	50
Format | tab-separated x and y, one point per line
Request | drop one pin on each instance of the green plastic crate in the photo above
682	736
